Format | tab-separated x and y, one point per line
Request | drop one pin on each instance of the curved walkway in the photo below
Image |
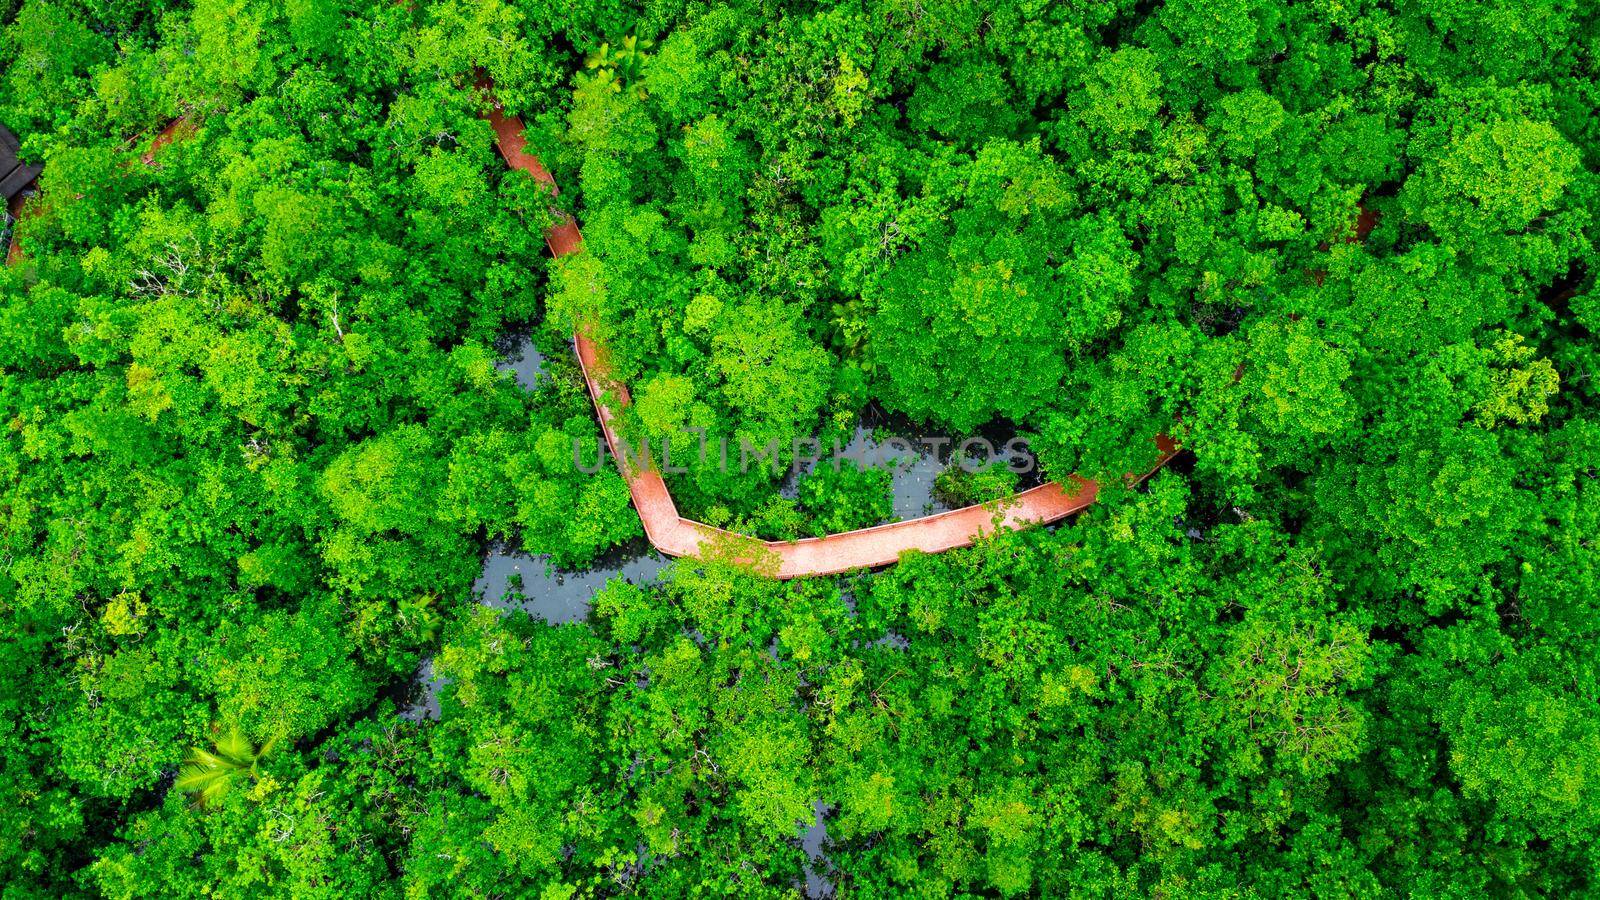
14	208
674	535
176	129
881	545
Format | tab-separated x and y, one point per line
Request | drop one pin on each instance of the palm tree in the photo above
626	64
211	774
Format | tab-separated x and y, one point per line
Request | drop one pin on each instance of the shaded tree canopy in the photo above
258	437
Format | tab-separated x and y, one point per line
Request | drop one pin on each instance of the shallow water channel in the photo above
512	579
515	580
914	461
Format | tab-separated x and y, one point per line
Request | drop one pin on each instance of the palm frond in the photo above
194	778
235	746
210	774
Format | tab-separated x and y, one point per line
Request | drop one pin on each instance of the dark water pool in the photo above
421	700
520	357
812	841
914	460
512	579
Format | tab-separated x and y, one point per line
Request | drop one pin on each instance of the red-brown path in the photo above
177	128
881	545
14	207
674	535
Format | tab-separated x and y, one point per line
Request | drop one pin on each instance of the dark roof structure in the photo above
14	173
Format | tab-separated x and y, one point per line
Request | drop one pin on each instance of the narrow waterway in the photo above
422	698
813	841
512	579
915	459
534	584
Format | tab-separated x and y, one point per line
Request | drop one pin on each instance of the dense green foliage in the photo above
256	444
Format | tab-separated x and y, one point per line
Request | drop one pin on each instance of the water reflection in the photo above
422	700
818	866
914	463
520	357
512	579
893	640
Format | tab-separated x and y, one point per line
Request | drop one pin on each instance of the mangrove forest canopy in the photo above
259	433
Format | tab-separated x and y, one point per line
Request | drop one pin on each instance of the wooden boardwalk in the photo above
674	535
881	545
